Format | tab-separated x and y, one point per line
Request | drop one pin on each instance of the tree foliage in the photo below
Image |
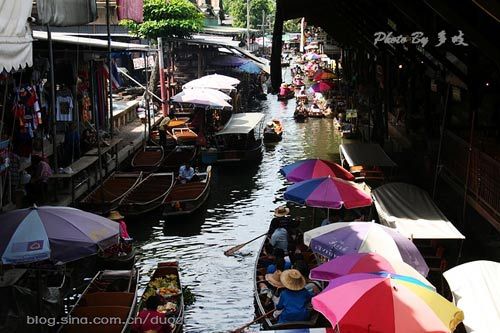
291	25
238	11
172	18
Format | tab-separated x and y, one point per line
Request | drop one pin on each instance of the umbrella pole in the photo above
314	210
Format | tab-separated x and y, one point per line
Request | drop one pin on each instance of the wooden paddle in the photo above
240	329
232	250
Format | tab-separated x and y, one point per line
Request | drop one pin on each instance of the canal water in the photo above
240	208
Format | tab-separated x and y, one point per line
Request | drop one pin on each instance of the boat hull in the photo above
214	156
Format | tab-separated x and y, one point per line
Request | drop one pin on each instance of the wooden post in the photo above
162	78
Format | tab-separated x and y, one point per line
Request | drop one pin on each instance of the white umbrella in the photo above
198	97
213	92
214	81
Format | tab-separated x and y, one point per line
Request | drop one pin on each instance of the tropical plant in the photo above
172	18
238	11
291	25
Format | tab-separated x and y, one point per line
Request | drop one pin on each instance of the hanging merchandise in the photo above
64	108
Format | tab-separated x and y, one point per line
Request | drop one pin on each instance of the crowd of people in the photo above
284	270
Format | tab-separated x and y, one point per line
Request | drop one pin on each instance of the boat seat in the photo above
117	313
108	298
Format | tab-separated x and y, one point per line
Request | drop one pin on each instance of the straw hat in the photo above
115	215
281	211
274	279
292	279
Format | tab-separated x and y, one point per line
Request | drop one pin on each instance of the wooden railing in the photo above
484	171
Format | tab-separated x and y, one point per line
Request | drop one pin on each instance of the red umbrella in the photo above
322	86
314	168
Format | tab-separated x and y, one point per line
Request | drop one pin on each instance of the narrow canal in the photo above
240	207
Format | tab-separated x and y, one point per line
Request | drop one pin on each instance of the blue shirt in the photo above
279	239
294	305
272	267
186	173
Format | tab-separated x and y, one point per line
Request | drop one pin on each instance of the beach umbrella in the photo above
328	192
212	92
213	81
59	234
250	67
323	75
199	97
364	263
337	239
321	86
387	303
314	168
228	61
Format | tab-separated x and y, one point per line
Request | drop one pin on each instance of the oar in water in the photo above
240	329
232	250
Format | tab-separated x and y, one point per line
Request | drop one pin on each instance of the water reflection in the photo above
239	208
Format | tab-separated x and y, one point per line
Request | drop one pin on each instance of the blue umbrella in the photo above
250	67
59	234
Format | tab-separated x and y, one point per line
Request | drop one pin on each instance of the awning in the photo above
16	48
77	40
365	154
476	292
242	123
411	211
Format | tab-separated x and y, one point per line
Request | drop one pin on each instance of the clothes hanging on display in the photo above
64	108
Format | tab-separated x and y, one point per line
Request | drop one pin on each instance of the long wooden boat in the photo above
184	136
106	197
185	199
126	261
148	159
260	307
179	156
110	295
251	154
164	273
147	195
315	113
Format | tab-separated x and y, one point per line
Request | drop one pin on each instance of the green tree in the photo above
238	11
291	26
172	18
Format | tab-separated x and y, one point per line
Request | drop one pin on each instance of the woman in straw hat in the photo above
294	299
117	217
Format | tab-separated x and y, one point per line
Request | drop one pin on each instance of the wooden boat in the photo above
273	132
110	295
147	195
288	95
315	113
184	136
185	199
148	159
106	197
179	156
167	271
239	141
260	306
117	261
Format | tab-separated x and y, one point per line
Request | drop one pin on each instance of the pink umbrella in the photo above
322	86
314	168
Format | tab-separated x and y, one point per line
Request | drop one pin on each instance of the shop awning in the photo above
242	123
85	41
16	48
476	292
411	211
365	154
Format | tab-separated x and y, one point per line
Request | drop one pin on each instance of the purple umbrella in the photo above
341	238
59	234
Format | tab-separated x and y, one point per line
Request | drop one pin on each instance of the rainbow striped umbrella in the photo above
314	168
328	192
387	303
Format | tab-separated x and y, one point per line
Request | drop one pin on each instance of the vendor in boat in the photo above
294	298
186	173
150	319
117	217
162	130
284	89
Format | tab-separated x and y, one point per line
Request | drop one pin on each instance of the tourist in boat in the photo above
279	239
186	173
150	319
294	298
281	218
278	255
272	286
162	130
